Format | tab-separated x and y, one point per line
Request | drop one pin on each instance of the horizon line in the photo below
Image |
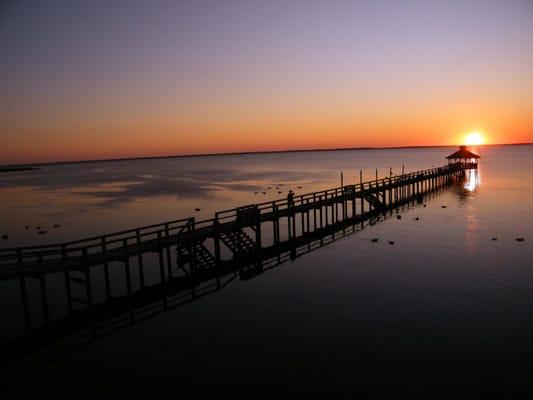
248	152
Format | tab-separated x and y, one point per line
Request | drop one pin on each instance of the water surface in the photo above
444	295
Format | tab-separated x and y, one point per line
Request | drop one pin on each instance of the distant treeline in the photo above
14	169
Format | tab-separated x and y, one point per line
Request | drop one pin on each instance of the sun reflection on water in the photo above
472	180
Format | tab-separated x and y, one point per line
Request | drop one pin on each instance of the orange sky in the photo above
139	83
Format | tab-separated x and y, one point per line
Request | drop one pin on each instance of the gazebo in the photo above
465	157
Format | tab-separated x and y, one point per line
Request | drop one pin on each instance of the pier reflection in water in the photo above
468	191
472	180
65	310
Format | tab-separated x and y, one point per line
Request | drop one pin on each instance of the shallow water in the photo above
445	294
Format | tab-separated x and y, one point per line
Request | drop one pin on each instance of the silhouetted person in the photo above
290	198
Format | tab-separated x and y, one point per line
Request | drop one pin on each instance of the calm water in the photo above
444	295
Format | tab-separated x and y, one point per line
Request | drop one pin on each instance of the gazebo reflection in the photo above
470	162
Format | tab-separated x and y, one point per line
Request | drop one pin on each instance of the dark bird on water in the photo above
398	216
196	209
264	192
417	218
425	205
391	243
279	191
299	187
5	237
519	239
27	227
494	238
374	240
56	226
443	206
41	232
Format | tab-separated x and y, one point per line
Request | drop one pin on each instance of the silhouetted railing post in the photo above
327	211
67	279
106	268
160	255
126	258
216	228
275	223
343	206
289	221
44	296
87	278
140	257
362	195
169	257
258	242
389	192
192	259
293	219
24	293
354	206
336	204
314	211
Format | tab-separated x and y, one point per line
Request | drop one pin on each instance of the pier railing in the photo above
376	185
104	244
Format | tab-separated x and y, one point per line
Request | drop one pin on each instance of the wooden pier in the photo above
116	280
55	337
239	230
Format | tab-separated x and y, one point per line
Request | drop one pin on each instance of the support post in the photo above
24	293
140	257
67	279
44	296
258	230
169	256
127	264
106	269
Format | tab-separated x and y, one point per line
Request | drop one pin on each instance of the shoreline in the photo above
32	166
17	168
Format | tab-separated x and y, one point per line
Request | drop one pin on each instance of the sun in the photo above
474	138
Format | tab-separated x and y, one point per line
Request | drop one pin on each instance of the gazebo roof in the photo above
463	153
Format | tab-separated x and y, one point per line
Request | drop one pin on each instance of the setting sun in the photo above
474	138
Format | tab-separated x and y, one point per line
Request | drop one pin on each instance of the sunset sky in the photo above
106	79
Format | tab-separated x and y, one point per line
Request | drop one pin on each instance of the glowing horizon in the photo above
92	81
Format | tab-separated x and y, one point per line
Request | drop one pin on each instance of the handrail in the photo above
120	233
